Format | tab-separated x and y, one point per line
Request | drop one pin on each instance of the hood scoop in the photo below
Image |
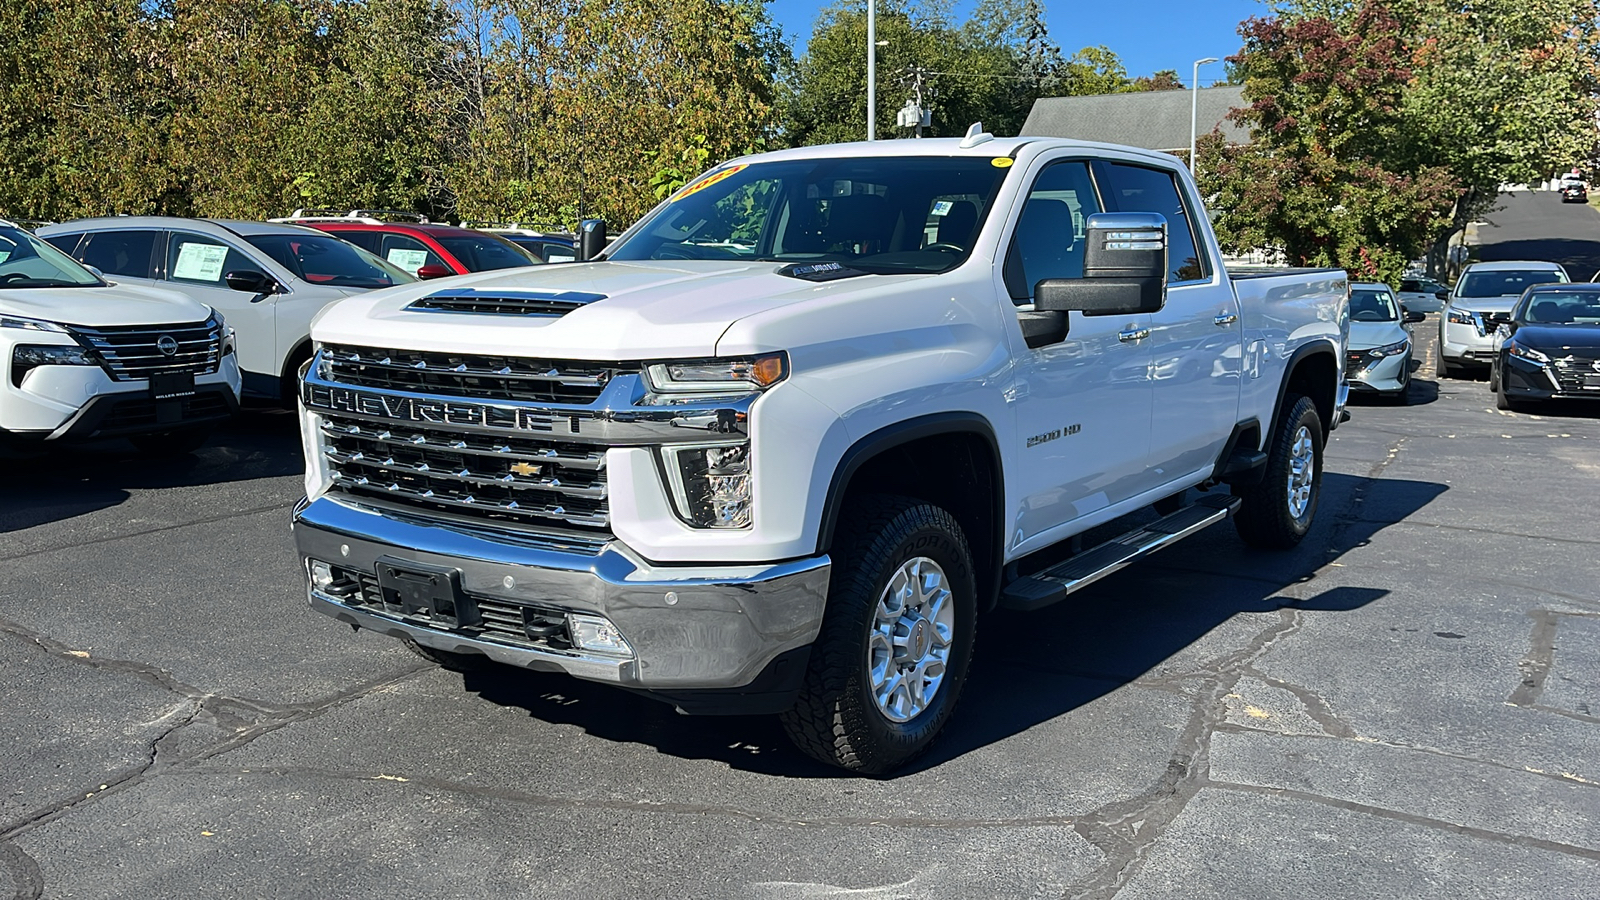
823	271
474	301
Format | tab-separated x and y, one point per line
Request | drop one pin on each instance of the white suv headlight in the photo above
30	324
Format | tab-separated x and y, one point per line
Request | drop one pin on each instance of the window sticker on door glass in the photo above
942	208
200	262
410	260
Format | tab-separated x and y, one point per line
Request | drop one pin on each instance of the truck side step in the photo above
1054	584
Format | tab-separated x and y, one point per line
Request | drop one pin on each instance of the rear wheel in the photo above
171	443
895	643
1277	512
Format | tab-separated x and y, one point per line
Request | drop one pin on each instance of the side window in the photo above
1132	188
66	243
366	240
1049	242
1410	287
558	253
197	259
119	252
408	253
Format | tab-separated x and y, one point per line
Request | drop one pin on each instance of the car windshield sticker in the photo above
560	257
1001	162
943	207
709	180
409	260
200	262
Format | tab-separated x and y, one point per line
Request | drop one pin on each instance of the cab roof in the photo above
993	147
1515	265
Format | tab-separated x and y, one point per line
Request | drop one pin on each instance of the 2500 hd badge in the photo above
1048	436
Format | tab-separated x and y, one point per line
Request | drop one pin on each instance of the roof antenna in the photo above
975	136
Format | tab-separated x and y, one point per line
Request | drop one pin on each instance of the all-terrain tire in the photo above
1267	517
836	719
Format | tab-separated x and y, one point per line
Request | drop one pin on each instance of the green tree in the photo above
1164	80
1331	174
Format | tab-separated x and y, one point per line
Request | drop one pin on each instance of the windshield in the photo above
1505	283
1373	306
28	262
880	215
325	260
484	252
1561	308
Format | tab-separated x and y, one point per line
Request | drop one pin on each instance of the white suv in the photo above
269	279
81	357
1483	298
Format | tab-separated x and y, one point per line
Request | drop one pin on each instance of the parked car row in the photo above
155	327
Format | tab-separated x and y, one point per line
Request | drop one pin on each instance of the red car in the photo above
420	247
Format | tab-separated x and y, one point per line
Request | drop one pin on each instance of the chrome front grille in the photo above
512	478
135	352
1577	374
472	376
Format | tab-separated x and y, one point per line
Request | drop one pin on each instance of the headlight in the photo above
1527	353
711	485
27	357
718	376
1388	350
30	324
1459	316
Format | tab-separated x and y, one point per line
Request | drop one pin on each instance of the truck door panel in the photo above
1195	338
1083	404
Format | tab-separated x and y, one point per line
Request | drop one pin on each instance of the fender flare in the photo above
899	434
1304	353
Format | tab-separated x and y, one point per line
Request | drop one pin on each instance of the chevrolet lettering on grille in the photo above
440	412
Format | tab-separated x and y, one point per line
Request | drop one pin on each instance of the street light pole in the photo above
1194	105
872	70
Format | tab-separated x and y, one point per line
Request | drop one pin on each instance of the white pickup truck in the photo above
781	446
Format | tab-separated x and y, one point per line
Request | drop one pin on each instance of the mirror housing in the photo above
248	282
1411	318
1124	269
433	270
591	239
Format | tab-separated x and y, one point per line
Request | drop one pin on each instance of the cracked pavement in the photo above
1407	705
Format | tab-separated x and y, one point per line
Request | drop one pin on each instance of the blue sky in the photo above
1148	35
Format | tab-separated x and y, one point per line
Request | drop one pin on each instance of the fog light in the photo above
597	635
321	575
711	485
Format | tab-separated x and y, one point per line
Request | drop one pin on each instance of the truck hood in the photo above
649	310
115	304
1366	335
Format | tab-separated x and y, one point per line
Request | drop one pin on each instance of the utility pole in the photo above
872	70
1194	105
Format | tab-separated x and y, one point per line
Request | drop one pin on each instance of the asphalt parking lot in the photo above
1408	705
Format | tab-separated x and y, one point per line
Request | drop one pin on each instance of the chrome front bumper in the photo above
701	627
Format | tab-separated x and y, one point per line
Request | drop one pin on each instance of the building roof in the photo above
1155	120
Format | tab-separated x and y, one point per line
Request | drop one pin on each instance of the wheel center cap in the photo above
919	640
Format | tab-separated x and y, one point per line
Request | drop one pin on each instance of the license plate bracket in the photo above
1591	382
169	390
428	594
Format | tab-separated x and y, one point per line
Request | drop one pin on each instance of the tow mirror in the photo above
1124	269
249	282
433	270
591	239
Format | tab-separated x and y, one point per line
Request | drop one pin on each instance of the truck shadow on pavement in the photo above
60	483
1029	668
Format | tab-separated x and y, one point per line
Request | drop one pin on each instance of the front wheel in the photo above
1277	512
895	643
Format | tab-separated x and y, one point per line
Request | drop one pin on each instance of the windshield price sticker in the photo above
409	260
200	262
1001	162
709	180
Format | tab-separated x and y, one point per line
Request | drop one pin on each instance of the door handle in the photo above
1226	319
1133	334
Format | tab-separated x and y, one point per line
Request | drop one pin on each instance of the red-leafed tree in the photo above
1331	176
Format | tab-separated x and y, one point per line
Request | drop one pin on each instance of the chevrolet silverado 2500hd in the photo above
782	445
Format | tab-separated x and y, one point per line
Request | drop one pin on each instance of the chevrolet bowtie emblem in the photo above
525	468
